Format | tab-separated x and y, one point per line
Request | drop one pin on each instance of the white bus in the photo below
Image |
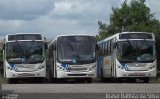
24	56
129	55
72	57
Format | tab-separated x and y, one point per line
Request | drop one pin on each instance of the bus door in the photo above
107	66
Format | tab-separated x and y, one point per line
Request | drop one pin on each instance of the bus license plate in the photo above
137	74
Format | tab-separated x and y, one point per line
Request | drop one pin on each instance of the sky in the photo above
58	17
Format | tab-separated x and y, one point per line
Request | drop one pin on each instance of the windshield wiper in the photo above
130	44
26	52
22	52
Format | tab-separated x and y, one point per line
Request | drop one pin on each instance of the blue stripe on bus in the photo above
99	65
12	65
124	66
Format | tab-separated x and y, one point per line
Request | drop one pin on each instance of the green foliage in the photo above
135	16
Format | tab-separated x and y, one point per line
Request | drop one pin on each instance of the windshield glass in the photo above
77	50
134	51
25	52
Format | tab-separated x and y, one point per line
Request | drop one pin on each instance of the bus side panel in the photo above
54	64
99	66
107	66
4	65
114	64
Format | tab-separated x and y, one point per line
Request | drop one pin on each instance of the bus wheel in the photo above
146	80
89	80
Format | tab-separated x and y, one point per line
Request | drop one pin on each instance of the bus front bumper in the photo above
14	74
89	74
137	74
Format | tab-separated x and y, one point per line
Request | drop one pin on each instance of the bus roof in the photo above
16	34
117	34
24	33
69	35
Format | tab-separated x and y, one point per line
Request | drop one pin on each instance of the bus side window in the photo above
109	48
101	50
112	45
106	48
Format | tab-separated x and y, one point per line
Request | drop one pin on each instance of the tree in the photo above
135	16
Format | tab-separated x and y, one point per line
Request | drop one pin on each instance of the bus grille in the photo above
25	66
77	74
137	64
78	69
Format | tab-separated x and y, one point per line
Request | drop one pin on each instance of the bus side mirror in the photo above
46	46
115	45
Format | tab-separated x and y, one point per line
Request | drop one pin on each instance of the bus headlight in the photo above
16	69
61	68
120	67
92	68
8	67
151	67
41	67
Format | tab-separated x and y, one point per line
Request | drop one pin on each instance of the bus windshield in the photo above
76	51
25	52
136	51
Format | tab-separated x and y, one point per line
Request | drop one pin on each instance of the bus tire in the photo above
146	80
89	80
